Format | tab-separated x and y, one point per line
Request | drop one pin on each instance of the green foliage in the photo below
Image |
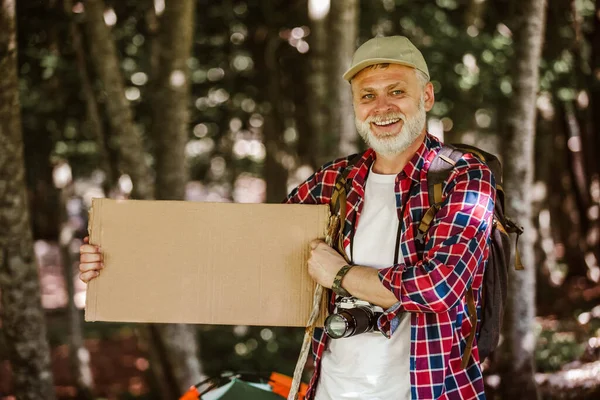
557	347
250	349
560	342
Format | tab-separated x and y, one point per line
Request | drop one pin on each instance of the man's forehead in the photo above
384	76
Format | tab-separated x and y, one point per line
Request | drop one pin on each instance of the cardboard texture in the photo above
207	263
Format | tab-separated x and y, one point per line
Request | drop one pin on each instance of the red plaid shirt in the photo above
432	280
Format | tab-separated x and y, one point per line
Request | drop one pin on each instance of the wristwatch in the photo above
337	282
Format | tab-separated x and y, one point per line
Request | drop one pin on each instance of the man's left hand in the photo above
324	263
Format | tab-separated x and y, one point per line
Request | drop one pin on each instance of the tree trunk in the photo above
591	84
22	314
79	356
318	85
173	345
93	117
170	104
275	172
343	37
126	135
297	83
266	48
528	29
547	293
594	81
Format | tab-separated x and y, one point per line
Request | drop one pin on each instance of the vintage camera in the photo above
352	317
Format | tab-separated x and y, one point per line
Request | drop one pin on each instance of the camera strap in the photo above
401	223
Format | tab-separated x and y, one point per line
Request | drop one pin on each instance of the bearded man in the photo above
415	351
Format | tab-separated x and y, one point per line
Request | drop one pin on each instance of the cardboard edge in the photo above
320	322
91	298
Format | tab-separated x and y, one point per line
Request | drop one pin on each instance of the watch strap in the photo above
337	281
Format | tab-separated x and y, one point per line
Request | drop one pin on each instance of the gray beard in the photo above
395	143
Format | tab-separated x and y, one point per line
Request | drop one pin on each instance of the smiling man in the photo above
416	288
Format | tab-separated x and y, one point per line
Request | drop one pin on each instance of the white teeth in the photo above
386	122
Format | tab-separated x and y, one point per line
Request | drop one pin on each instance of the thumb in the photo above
86	239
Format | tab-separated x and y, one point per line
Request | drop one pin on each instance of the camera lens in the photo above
350	322
336	326
363	320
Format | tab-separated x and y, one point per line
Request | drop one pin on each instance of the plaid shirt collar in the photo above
360	171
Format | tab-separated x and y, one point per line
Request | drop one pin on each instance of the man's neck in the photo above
394	164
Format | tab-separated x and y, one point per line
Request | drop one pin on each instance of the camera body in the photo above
352	317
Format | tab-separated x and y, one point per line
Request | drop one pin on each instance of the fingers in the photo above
91	261
88	276
90	257
88	248
86	239
90	266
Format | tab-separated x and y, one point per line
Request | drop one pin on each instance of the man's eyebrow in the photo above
395	85
389	87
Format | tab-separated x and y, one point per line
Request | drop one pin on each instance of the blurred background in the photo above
241	100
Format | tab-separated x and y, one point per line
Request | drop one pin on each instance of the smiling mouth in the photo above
387	122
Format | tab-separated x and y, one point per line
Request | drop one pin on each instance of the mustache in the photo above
386	117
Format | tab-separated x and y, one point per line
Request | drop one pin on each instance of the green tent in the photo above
240	390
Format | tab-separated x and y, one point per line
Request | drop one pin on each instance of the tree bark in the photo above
126	135
594	81
93	115
22	314
343	38
275	172
266	48
79	356
318	85
592	84
528	30
296	83
170	104
171	99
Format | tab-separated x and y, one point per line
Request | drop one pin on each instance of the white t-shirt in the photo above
369	366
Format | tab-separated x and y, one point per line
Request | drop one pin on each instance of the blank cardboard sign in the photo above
206	263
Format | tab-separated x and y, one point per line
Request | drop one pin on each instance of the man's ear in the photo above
429	96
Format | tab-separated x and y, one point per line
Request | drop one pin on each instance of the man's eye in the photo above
397	92
368	96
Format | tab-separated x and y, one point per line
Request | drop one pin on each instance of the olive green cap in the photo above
384	50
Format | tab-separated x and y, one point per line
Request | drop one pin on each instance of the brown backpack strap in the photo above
437	174
473	318
439	170
512	227
337	204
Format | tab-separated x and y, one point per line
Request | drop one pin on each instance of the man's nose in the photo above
383	104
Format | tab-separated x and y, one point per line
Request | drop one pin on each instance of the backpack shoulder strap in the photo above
337	204
438	172
339	190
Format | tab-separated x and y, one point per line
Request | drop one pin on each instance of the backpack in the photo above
495	277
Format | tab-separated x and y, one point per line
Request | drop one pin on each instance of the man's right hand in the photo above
91	261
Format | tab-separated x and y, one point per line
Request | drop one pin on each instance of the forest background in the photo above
240	100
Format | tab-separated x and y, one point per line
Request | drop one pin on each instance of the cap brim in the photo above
348	75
